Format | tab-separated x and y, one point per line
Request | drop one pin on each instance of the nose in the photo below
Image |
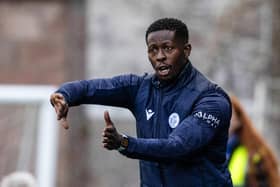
161	55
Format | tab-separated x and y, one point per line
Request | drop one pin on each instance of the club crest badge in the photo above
173	120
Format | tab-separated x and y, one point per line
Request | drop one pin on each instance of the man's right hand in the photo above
61	108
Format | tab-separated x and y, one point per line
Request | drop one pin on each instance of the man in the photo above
182	118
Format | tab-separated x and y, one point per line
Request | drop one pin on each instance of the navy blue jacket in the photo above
182	127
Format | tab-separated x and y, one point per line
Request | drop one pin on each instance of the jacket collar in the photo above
181	80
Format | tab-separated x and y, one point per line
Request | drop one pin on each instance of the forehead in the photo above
162	35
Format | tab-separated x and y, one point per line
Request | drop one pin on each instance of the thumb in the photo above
108	119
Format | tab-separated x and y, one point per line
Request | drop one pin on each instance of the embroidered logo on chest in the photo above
173	120
149	113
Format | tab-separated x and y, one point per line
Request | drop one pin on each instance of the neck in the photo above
163	83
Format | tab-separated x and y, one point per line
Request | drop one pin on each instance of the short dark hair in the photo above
172	24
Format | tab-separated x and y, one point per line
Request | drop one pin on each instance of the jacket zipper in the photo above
157	130
157	111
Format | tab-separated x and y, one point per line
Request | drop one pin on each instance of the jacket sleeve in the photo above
118	91
210	115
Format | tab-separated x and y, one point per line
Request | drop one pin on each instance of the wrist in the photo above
123	143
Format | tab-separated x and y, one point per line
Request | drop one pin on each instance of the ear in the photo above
187	50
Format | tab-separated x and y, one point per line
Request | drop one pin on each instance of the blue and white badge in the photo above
173	120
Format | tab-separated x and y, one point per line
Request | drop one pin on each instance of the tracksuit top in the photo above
182	126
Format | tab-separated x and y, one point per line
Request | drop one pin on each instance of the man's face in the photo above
166	54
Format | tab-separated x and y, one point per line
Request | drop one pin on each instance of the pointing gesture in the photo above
111	138
61	108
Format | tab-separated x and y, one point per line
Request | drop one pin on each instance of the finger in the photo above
64	123
55	97
52	98
108	146
107	140
108	135
59	95
59	111
56	109
65	110
60	101
62	110
107	119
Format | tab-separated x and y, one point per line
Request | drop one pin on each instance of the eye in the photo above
152	49
168	48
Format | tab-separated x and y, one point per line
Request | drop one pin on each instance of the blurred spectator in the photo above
19	179
251	161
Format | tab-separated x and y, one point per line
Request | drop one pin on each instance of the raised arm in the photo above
117	91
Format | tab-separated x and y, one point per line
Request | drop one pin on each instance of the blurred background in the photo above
45	43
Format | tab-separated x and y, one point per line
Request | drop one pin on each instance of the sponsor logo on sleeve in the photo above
210	119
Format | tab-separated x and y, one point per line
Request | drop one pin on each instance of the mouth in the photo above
163	70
